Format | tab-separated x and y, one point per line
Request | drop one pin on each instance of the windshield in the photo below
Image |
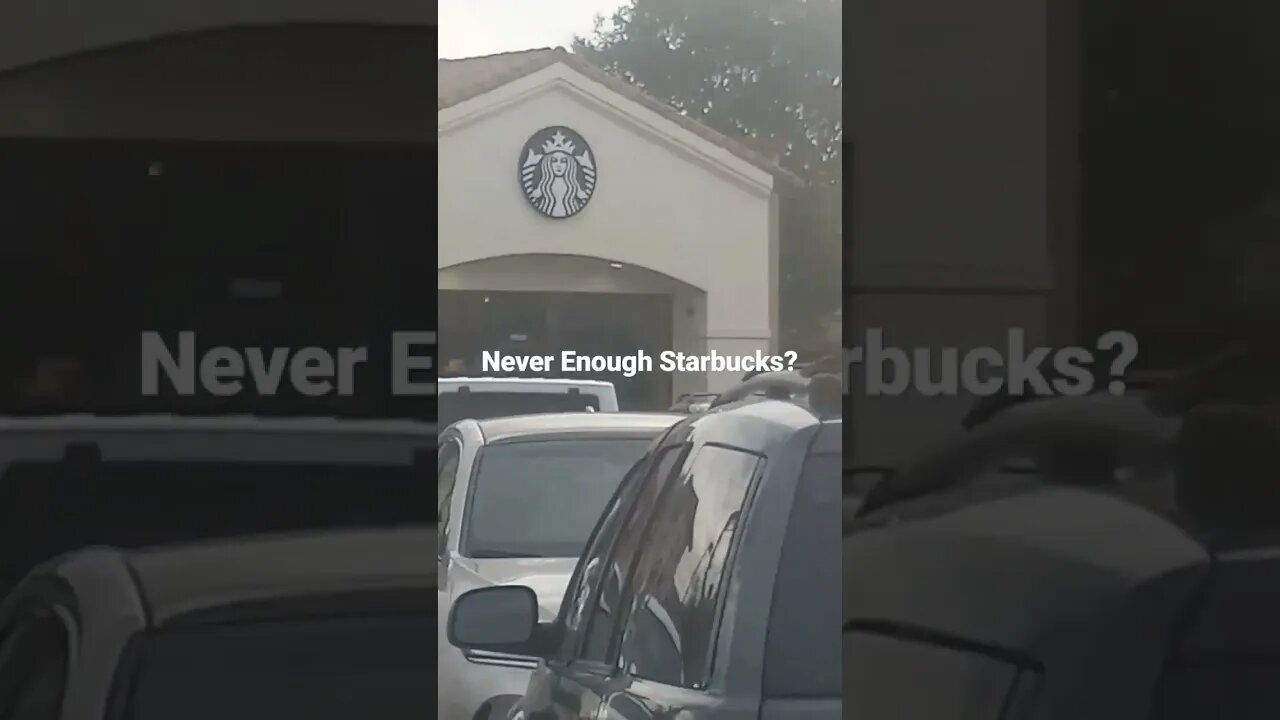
541	499
315	669
455	406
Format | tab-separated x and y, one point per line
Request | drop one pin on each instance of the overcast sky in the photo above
483	27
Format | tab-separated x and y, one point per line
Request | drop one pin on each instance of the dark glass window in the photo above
682	574
543	498
605	612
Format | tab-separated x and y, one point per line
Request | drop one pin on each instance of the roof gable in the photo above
467	78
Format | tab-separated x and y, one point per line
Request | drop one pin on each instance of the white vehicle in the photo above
488	397
518	498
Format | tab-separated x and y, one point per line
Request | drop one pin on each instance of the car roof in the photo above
181	579
754	421
168	422
516	427
568	382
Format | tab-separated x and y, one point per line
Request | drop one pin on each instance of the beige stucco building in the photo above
674	245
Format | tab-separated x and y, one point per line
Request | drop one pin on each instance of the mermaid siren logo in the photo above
557	172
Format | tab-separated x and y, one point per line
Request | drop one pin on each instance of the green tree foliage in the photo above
768	73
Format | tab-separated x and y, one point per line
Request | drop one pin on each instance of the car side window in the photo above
613	572
34	661
450	454
586	577
681	576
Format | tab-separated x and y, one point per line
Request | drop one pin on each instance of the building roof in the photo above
465	78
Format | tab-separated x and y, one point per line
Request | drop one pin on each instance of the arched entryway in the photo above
543	304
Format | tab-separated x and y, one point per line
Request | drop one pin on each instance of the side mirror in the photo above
498	619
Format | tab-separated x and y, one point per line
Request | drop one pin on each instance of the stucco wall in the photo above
654	206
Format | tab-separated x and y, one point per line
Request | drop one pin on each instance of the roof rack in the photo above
824	390
777	385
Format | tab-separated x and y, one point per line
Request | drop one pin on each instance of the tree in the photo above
765	72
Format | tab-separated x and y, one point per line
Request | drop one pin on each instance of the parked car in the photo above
71	481
708	589
1066	595
488	397
518	497
323	626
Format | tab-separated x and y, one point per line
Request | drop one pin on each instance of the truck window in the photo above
542	498
603	630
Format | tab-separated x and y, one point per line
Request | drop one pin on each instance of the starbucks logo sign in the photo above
557	172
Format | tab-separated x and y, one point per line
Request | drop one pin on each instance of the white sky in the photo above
483	27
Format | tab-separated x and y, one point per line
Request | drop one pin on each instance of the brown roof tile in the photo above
466	78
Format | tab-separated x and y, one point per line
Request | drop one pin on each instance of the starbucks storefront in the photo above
577	214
